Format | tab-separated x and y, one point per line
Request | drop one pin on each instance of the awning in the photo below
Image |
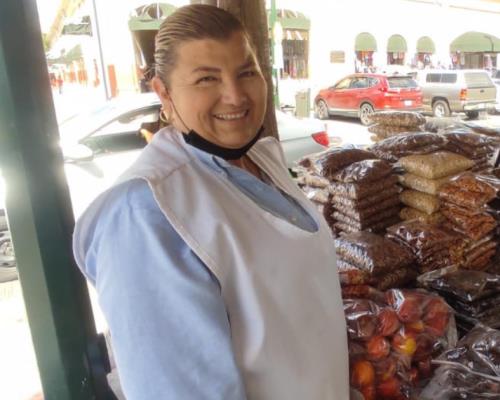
365	42
82	27
67	57
425	45
292	34
475	42
150	17
396	44
290	19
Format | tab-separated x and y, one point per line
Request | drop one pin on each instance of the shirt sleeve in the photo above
169	327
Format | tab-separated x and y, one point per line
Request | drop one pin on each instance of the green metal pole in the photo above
69	353
272	22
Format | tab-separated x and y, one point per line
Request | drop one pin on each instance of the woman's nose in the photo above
234	93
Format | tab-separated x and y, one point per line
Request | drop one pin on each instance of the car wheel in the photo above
322	110
364	113
440	109
472	114
8	271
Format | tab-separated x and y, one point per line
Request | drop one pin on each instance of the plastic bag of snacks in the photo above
392	341
397	118
400	144
408	213
372	252
374	199
436	165
429	186
364	171
305	178
385	131
329	162
471	370
421	201
371	211
362	190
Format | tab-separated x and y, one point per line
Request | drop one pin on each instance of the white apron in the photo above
279	283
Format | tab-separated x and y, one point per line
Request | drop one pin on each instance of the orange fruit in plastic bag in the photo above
362	374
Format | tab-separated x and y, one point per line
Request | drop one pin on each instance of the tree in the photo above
253	16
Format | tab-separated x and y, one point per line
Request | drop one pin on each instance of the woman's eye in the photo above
247	74
206	79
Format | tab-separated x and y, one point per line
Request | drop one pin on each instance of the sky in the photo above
46	12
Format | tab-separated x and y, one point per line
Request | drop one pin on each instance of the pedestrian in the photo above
60	83
216	275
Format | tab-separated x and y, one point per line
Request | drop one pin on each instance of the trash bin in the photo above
303	103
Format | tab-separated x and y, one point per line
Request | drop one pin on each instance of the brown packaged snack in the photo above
408	213
399	144
436	165
329	162
467	221
372	252
328	210
377	227
390	192
367	222
316	195
397	118
464	198
363	172
482	262
471	190
369	212
421	237
480	251
395	279
465	137
311	180
468	151
429	186
421	201
360	191
385	131
475	233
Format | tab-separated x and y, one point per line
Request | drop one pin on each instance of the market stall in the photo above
414	219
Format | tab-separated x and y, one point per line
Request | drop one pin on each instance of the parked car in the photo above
447	91
359	95
100	144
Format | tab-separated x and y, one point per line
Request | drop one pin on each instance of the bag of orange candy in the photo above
392	341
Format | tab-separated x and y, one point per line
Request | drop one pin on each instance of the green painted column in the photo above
70	355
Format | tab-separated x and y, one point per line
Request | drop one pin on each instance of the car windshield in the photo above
401	82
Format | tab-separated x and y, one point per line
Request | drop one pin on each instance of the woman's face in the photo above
216	89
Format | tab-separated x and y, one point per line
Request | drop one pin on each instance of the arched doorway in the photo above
475	50
425	49
396	50
365	45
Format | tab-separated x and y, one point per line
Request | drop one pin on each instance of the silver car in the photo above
447	91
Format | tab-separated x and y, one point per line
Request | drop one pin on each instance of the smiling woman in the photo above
205	244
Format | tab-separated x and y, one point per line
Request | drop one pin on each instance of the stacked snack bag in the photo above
433	247
365	197
393	339
391	123
476	147
422	178
465	199
474	295
393	148
364	258
471	370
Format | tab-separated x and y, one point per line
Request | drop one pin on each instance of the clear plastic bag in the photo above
311	180
390	192
470	190
329	162
370	212
471	370
429	186
397	118
377	227
372	252
441	124
421	201
360	191
363	223
436	165
399	145
385	131
468	138
363	172
316	194
392	341
408	214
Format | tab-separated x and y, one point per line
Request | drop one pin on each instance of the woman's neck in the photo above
247	164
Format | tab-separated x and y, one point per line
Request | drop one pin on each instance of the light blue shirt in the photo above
169	326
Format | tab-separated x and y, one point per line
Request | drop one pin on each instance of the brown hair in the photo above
192	22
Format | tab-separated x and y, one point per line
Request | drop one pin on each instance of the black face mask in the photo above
195	140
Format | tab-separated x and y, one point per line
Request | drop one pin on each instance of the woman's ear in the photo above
162	92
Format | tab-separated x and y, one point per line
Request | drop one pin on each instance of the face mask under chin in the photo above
194	139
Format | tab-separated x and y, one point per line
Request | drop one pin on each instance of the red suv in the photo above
359	95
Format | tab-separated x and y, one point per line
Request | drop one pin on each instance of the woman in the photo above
215	274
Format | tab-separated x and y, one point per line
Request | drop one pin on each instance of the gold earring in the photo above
164	117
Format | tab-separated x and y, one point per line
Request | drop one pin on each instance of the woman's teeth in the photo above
229	117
